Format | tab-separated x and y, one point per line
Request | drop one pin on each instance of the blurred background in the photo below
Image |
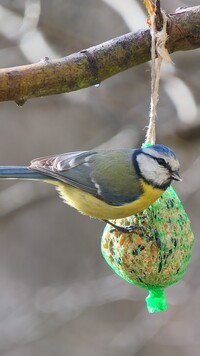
57	294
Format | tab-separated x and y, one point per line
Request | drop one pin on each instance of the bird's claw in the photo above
124	229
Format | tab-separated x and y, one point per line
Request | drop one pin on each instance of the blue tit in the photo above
105	184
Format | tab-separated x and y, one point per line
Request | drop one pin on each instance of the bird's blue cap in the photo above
163	150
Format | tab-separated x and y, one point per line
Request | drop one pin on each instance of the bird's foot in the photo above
123	229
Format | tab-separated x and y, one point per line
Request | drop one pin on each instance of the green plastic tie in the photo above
156	301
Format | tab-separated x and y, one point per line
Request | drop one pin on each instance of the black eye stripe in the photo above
162	161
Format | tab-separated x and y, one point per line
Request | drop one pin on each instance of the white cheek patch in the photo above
151	170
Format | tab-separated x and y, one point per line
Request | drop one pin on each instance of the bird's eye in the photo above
161	161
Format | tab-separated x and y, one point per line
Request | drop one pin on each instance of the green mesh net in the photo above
157	253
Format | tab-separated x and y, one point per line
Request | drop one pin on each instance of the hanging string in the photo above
158	41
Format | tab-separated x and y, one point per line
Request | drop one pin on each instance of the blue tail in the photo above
20	172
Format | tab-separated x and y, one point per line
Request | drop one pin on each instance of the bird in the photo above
105	184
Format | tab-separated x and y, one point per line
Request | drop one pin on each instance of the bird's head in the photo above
158	165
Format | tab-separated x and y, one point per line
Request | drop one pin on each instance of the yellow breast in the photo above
89	205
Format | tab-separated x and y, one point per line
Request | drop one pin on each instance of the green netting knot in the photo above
156	301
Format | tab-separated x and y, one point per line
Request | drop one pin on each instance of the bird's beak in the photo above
175	176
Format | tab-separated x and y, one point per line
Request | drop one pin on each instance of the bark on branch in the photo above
93	65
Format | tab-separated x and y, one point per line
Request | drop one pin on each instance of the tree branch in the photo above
93	65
